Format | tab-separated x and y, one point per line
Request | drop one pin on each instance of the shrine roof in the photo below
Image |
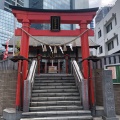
55	10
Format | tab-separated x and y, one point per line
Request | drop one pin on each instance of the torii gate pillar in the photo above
24	51
85	65
84	47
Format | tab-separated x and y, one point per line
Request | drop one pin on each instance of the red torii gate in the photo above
26	16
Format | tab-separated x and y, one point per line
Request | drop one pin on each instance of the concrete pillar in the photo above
108	96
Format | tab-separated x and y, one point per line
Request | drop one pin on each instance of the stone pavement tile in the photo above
97	118
100	118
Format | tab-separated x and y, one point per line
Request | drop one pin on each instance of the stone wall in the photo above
98	86
97	77
117	97
8	82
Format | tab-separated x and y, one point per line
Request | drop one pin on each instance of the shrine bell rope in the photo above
54	44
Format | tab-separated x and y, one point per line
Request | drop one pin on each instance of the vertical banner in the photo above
6	51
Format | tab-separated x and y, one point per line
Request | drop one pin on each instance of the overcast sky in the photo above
100	3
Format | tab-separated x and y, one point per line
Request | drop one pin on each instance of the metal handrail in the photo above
28	84
31	73
81	84
78	71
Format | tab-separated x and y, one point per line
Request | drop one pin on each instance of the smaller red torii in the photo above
26	16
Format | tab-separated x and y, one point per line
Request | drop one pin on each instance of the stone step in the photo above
56	113
53	87
62	118
55	108
54	94
69	98
54	81
54	78
54	90
49	103
52	75
54	84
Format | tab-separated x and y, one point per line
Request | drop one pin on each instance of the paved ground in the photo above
100	118
97	118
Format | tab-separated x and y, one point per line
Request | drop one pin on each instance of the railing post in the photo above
84	93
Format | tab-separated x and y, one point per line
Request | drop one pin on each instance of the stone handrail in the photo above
82	85
28	84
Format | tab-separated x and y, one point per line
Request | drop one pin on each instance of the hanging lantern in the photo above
74	43
65	48
55	49
44	48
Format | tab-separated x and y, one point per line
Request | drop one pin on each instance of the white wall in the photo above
110	36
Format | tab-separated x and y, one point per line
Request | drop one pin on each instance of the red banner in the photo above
6	52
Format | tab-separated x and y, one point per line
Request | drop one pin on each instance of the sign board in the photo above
113	68
52	69
55	23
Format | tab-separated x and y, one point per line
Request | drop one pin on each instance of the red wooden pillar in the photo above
24	51
85	65
84	48
66	59
18	91
39	57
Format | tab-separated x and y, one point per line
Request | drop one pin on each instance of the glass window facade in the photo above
56	4
51	4
7	26
19	3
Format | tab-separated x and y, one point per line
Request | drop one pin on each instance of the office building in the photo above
107	32
4	4
102	13
51	4
7	25
81	4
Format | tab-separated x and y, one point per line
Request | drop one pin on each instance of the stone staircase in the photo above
55	98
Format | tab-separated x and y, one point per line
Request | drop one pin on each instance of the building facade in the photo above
107	32
51	4
7	25
7	21
81	4
102	13
4	4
